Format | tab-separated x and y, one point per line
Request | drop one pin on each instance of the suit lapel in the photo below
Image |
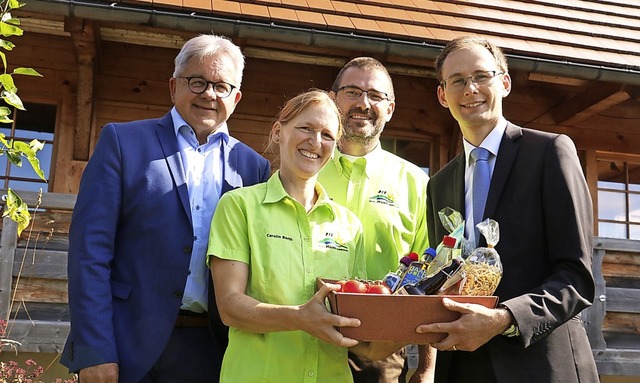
169	144
458	184
506	157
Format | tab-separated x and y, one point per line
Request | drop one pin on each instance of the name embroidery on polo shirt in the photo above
383	197
329	242
278	236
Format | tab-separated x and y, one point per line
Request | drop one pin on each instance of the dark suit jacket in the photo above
130	244
539	197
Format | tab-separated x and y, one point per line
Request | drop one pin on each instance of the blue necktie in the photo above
480	187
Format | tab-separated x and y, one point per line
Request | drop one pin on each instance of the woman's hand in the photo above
316	320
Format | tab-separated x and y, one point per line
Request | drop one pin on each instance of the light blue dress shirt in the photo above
492	144
203	169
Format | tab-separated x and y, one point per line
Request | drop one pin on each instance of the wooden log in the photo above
39	336
41	264
623	323
41	290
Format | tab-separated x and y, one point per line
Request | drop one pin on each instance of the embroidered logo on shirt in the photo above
328	242
383	197
278	236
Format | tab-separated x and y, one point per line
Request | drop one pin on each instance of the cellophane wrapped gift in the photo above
453	222
483	269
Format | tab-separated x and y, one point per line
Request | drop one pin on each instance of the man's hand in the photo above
475	327
102	373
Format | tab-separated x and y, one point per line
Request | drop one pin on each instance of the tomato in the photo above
379	289
341	283
354	286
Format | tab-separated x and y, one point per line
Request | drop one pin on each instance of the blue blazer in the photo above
539	197
130	244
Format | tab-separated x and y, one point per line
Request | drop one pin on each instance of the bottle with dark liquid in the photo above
432	284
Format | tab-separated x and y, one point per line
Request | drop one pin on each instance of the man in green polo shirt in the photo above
387	193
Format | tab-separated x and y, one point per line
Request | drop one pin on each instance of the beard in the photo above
363	131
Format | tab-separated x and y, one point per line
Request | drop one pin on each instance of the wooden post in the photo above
8	243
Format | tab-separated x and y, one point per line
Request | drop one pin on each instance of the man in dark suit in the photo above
539	197
138	284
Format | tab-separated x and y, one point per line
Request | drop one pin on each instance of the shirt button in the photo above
306	239
197	207
308	270
311	373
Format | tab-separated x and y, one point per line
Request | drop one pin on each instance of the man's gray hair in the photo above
205	46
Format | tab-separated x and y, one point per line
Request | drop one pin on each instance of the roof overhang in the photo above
192	22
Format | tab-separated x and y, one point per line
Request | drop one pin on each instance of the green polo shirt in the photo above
286	248
389	195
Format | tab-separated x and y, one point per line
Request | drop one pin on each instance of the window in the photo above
37	121
619	197
417	152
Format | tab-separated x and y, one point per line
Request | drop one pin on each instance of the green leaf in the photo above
4	60
4	111
14	4
6	44
7	82
16	209
15	159
9	30
35	164
12	21
27	72
29	151
3	140
12	99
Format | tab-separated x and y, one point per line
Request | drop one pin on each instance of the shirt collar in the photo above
491	142
372	160
179	122
275	193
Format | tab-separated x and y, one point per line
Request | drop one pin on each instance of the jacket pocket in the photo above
120	290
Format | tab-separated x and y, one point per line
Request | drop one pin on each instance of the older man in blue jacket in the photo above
139	290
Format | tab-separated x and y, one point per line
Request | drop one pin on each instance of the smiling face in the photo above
364	121
205	112
476	108
307	140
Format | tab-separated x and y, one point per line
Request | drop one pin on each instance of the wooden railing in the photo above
33	275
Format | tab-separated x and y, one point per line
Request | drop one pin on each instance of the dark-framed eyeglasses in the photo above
479	78
198	85
353	92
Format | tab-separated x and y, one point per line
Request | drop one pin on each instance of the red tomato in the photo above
379	289
353	286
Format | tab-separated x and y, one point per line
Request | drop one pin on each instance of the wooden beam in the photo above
84	39
590	102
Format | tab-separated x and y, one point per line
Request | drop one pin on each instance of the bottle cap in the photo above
448	241
429	254
406	261
413	256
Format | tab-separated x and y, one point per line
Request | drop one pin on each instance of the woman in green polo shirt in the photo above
267	245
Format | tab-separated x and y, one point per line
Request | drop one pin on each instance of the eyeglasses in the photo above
479	78
199	85
352	92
